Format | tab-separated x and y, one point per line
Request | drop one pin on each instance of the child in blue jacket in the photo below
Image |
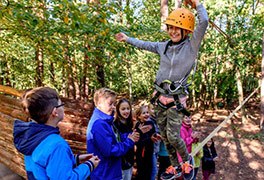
47	154
103	141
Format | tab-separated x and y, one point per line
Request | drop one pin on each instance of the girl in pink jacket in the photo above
187	135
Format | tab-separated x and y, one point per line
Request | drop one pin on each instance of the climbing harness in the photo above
230	41
174	89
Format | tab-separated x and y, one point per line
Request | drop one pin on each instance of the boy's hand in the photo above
215	159
121	37
134	136
84	157
192	3
156	137
95	160
196	134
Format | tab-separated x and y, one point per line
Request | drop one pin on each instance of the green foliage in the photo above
85	33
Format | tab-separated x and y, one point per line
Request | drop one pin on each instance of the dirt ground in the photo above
239	146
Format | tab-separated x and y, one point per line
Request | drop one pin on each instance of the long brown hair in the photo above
118	116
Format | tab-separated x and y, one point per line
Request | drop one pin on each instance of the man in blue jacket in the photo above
103	141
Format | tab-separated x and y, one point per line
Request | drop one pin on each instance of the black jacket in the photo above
207	160
128	159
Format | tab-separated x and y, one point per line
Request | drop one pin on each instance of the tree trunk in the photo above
5	78
240	94
70	89
100	73
39	66
64	86
76	93
2	70
52	73
130	80
99	63
164	13
177	4
262	89
85	80
39	51
71	86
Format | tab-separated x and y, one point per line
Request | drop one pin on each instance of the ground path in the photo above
239	146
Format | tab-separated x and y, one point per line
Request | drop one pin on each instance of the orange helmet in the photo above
182	18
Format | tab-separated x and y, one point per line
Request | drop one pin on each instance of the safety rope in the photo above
230	41
198	148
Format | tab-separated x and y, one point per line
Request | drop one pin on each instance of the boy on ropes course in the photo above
177	59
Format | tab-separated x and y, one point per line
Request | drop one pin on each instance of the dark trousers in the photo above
164	163
206	174
195	173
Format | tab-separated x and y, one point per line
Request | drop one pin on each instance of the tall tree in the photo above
177	4
99	61
39	66
164	12
69	66
262	89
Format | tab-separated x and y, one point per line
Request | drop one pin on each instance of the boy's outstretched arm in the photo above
147	45
201	27
121	37
192	3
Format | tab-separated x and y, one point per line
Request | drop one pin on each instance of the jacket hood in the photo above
98	115
187	126
101	115
28	135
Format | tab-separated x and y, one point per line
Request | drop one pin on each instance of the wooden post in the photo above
10	90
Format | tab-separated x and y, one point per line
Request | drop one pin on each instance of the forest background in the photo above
69	45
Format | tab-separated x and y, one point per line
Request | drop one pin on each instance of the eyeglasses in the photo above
62	104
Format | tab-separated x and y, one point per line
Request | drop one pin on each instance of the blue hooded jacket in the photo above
102	141
47	154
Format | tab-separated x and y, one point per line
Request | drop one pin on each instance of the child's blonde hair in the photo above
151	106
140	110
103	93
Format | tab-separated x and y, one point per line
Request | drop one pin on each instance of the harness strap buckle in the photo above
182	109
167	106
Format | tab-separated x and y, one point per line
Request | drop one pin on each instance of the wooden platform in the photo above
7	174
